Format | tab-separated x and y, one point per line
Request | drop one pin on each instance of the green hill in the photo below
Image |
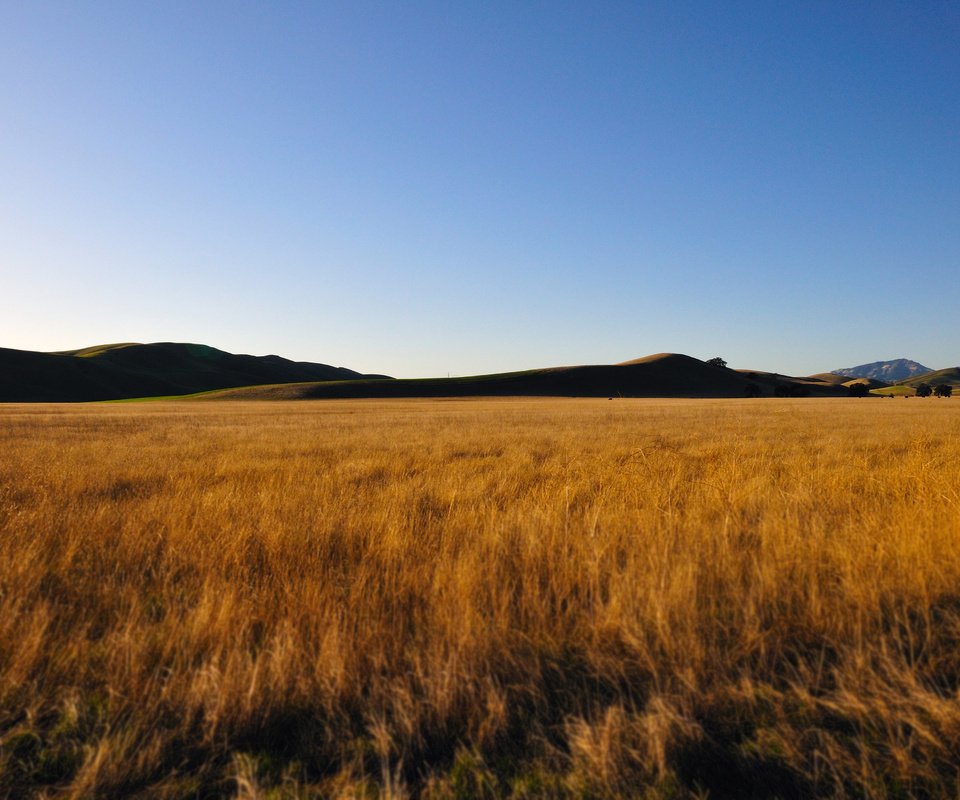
950	376
110	372
908	387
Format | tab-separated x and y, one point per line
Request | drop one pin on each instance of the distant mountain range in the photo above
900	369
118	371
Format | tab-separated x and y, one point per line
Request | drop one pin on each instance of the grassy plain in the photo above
527	598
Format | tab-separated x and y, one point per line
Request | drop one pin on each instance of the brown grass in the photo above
535	598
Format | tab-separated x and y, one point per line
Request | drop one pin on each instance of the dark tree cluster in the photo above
940	390
858	389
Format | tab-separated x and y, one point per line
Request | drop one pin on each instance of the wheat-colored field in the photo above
526	598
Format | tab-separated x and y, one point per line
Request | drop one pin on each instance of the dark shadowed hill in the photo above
661	375
110	372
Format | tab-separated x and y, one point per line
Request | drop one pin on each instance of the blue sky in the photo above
423	188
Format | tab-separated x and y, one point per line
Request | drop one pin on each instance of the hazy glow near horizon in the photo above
425	188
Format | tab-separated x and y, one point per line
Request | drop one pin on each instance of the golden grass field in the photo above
481	598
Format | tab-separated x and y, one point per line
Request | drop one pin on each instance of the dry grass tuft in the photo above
460	599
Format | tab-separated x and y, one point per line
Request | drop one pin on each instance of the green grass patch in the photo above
895	391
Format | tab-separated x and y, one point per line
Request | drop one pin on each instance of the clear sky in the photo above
421	188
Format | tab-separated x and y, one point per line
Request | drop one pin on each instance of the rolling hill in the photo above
110	372
834	379
660	375
168	369
950	376
907	388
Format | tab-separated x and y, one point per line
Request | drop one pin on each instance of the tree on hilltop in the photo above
717	362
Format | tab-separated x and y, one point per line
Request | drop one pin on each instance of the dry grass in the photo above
481	598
